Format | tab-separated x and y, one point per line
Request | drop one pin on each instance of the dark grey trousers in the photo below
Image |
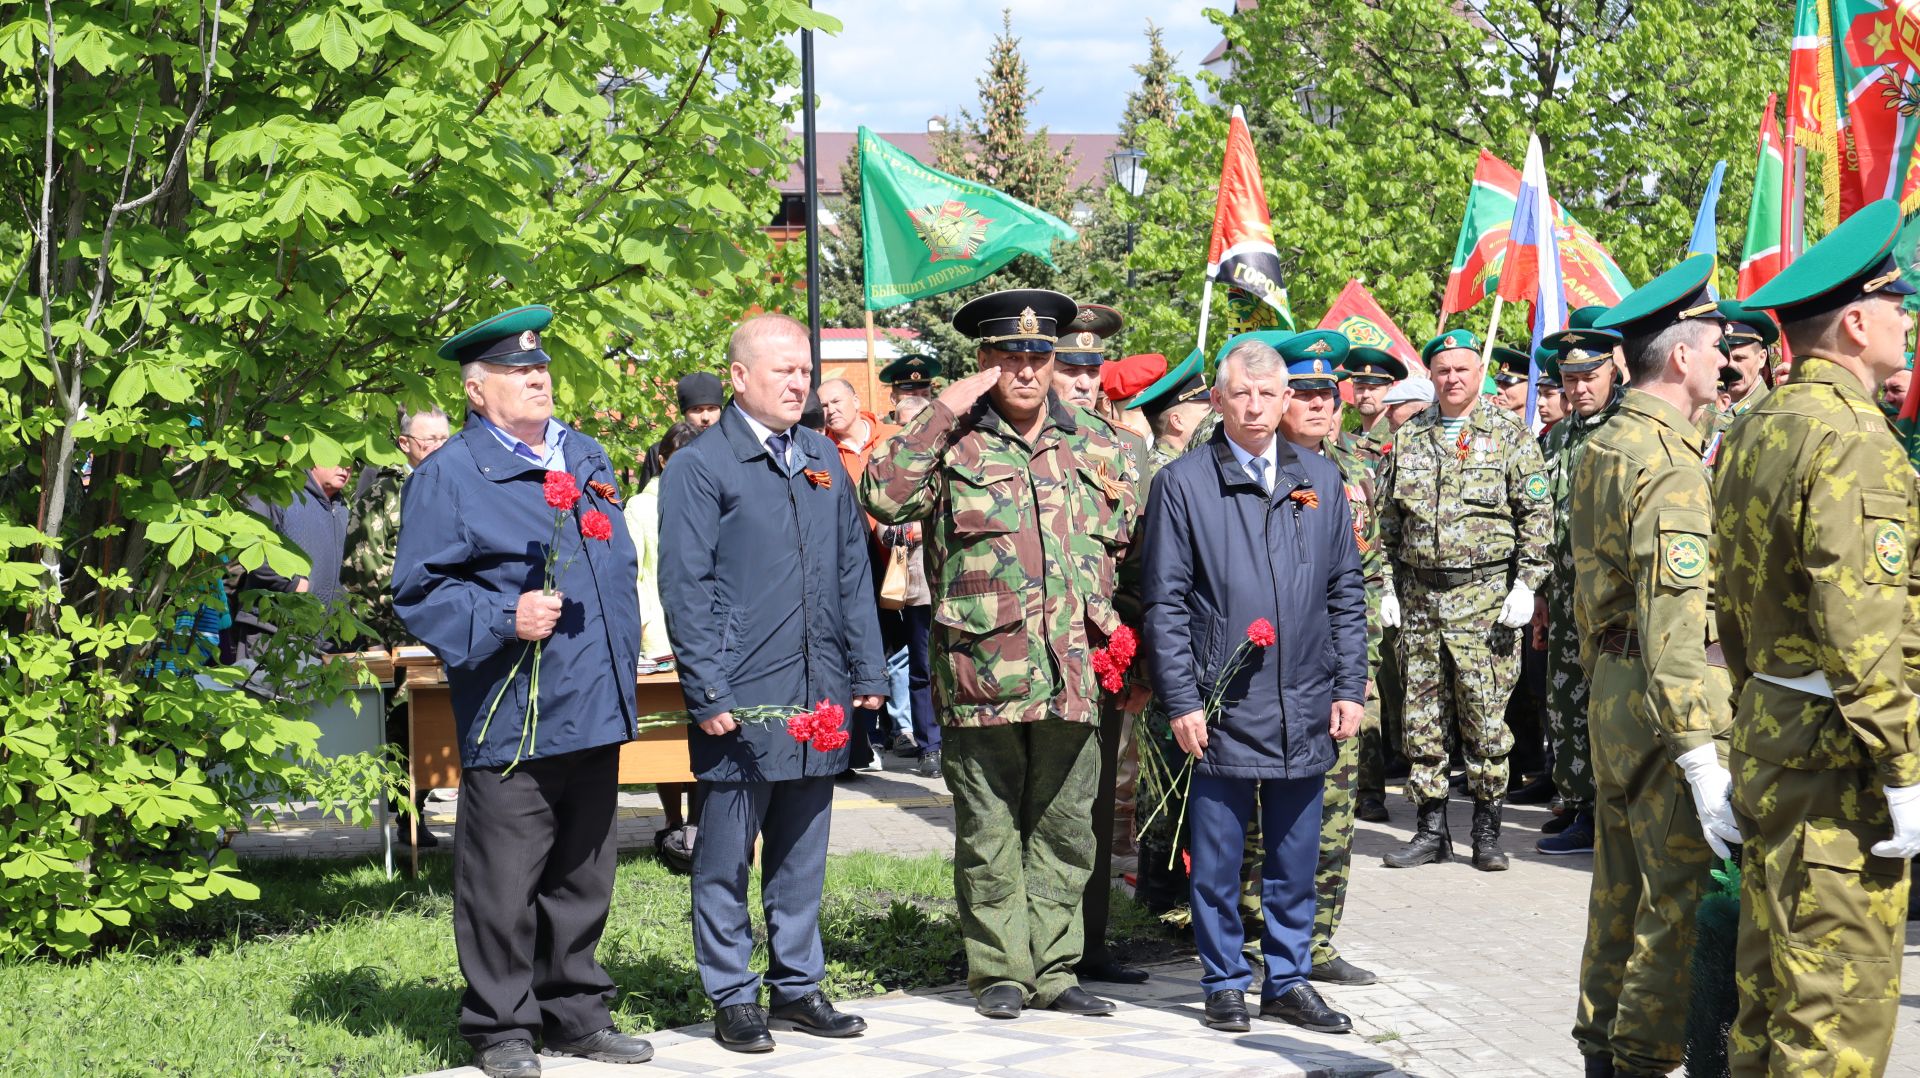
791	818
533	860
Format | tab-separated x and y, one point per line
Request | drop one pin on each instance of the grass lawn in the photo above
338	971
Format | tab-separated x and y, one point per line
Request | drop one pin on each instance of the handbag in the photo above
893	589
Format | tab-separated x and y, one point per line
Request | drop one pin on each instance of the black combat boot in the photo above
1487	856
1432	843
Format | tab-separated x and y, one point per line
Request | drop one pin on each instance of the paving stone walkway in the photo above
1478	973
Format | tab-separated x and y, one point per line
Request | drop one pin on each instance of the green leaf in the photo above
337	46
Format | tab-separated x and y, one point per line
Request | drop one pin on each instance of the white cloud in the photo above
898	62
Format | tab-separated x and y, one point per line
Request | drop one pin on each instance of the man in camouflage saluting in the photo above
1027	508
1643	599
1590	379
1814	530
1464	518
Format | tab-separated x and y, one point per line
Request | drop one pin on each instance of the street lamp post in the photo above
1130	172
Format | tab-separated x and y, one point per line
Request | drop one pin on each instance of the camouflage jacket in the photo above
1815	525
1022	544
372	532
1465	501
1716	421
1562	447
1358	458
1639	532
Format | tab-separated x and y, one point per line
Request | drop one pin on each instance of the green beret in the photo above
509	339
1453	338
1673	297
1852	262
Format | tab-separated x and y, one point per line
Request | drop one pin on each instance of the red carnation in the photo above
1261	633
827	721
1121	645
1110	663
561	491
594	524
800	727
830	741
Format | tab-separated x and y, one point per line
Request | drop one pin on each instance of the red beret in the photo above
1123	379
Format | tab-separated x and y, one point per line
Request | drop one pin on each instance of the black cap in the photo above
1016	319
699	390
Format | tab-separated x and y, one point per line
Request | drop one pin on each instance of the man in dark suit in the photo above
768	593
1249	545
534	851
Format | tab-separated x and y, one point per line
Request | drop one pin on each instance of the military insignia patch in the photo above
1890	546
529	341
1029	322
1537	487
952	229
1320	348
1087	340
1686	556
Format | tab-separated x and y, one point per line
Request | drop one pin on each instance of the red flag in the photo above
1763	254
1242	253
1587	271
1356	315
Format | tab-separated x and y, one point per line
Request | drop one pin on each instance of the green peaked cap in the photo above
510	338
1365	363
1180	383
1853	261
1674	296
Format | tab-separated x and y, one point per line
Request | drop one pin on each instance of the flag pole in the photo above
810	162
1493	327
1206	307
872	375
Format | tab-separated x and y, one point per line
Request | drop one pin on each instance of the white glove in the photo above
1518	609
1390	611
1903	804
1712	797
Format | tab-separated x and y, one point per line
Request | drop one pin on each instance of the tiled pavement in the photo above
1478	974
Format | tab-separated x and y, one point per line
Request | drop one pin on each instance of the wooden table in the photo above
657	755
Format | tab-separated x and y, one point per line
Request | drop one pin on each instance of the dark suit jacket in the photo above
768	595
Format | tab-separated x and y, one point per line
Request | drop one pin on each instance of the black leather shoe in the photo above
812	1013
1340	971
606	1046
1487	855
1303	1007
1538	792
508	1059
928	766
1372	809
1001	1001
1110	970
742	1028
1227	1011
1432	843
1077	1000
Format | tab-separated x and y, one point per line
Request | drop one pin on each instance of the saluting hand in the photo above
1190	730
537	614
961	396
1346	719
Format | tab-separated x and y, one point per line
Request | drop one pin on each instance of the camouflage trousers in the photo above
1453	650
1651	867
1567	701
1336	849
1382	727
1023	849
1822	924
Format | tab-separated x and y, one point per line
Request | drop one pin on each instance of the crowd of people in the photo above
1187	631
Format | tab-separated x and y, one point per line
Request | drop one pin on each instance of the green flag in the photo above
924	232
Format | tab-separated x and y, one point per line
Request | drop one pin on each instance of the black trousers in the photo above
1099	895
533	861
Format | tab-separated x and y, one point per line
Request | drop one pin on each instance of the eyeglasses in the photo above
432	439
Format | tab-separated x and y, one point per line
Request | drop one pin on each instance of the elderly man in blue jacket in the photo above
1249	530
768	593
534	852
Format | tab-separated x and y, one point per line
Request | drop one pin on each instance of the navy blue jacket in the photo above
1219	555
474	532
768	595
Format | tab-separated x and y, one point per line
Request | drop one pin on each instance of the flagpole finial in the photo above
1239	115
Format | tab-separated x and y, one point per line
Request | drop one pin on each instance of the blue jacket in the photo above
768	594
1220	555
474	534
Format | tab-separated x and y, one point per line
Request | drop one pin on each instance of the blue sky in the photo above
898	62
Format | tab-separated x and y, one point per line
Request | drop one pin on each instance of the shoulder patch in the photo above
1537	487
1890	546
1686	556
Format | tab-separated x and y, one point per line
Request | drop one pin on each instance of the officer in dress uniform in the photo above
1815	523
534	852
1643	599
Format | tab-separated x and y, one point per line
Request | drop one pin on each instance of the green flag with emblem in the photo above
924	232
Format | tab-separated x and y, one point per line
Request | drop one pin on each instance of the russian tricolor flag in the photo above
1533	257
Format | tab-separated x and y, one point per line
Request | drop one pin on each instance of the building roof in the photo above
859	333
1090	156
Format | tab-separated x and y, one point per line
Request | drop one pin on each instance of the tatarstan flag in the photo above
1241	253
1587	271
1761	253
